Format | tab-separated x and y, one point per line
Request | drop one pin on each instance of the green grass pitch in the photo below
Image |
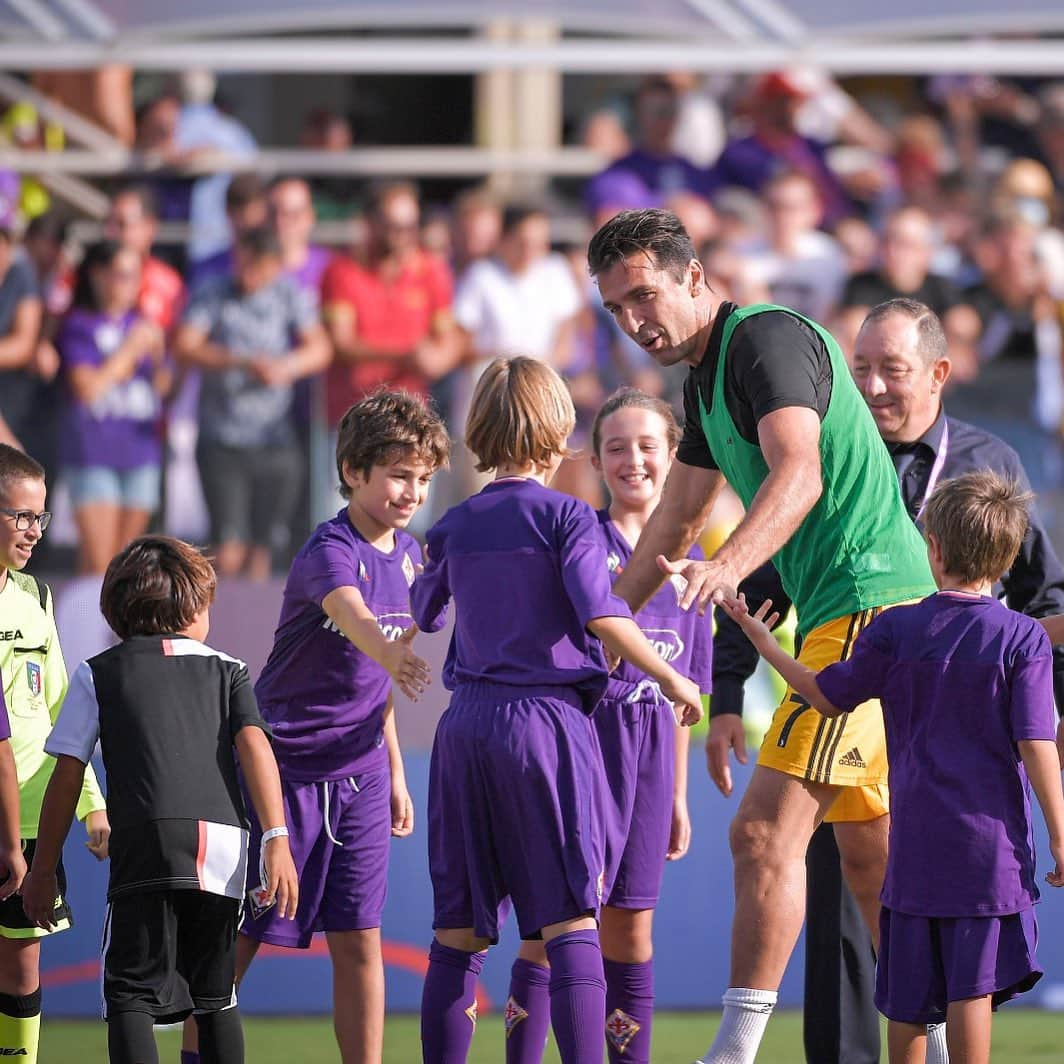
1020	1037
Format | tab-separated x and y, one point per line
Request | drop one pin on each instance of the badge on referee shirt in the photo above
33	678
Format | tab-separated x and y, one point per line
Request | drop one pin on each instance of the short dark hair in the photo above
385	427
144	194
17	465
932	344
979	520
98	255
653	231
633	397
156	585
259	243
243	189
53	225
515	213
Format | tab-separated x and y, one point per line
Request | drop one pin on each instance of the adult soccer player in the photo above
771	408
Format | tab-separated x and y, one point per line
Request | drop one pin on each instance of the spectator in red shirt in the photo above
388	311
132	222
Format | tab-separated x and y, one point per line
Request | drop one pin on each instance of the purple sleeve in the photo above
431	591
585	574
331	564
701	670
76	344
1032	713
863	675
5	721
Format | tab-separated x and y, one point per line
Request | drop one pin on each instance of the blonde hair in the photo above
979	520
521	415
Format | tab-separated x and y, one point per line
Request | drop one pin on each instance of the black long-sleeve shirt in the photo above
1034	585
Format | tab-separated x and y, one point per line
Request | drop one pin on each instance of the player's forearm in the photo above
391	742
800	677
683	745
1042	763
91	799
347	610
624	638
312	355
1054	627
782	502
259	767
57	809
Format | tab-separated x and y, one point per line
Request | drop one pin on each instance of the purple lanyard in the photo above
936	469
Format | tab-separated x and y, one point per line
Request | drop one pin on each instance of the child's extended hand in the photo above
281	879
409	671
680	833
99	830
686	697
402	810
39	891
757	626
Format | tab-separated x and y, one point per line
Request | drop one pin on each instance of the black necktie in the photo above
909	465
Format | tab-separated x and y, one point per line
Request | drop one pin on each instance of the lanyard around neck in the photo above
936	469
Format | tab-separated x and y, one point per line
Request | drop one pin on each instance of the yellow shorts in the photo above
849	752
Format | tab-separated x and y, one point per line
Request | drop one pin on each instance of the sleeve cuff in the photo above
727	697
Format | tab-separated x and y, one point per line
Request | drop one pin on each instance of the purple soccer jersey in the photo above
516	535
682	637
515	791
961	679
120	429
324	698
636	731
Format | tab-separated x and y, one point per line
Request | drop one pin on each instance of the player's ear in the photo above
696	277
351	478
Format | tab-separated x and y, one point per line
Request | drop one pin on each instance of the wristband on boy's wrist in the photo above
274	833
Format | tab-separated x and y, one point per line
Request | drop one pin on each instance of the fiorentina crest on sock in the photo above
621	1029
513	1015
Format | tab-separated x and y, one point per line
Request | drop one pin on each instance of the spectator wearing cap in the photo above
653	163
776	144
20	323
239	331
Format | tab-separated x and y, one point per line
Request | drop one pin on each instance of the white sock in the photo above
937	1053
742	1026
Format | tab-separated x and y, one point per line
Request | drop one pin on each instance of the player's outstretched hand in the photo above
281	879
708	582
39	891
409	671
99	829
726	733
680	833
686	697
757	626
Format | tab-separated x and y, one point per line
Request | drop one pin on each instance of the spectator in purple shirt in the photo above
658	169
776	145
114	377
966	687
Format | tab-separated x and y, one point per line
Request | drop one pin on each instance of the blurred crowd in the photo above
198	385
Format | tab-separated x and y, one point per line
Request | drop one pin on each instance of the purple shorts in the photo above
925	962
638	743
515	809
340	834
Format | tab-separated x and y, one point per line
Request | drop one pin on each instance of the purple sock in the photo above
449	1004
527	1015
189	1056
577	996
629	1011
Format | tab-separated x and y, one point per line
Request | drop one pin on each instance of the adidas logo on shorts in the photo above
852	759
